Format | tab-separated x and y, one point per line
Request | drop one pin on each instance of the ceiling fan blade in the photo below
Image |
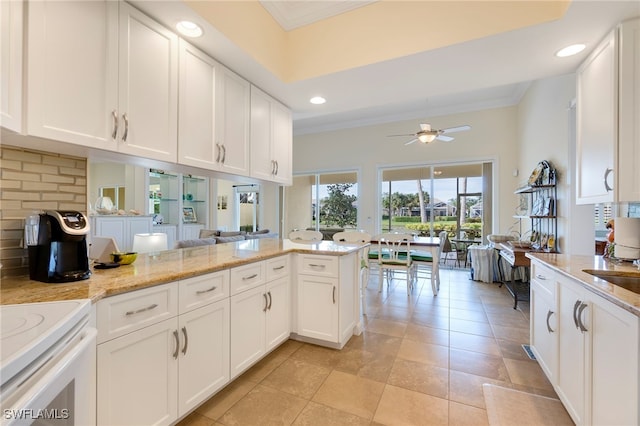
412	141
456	129
425	127
405	134
444	138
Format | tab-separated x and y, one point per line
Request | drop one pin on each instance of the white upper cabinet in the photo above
72	72
197	109
213	114
629	124
102	74
148	82
11	41
232	121
271	138
608	132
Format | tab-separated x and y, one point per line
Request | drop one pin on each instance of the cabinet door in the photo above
137	378
148	82
232	121
197	109
278	313
191	232
262	162
137	225
614	372
247	328
571	382
72	72
544	328
318	307
282	143
204	354
11	51
115	227
629	125
596	114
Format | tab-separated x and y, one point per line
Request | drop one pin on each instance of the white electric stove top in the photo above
29	330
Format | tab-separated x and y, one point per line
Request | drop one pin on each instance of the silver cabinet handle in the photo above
273	167
266	302
541	277
269	293
277	167
209	290
186	340
224	153
549	313
580	323
126	127
250	277
114	114
315	265
137	311
334	294
575	312
218	150
277	268
175	336
606	184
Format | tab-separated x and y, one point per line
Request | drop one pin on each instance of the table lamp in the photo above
150	243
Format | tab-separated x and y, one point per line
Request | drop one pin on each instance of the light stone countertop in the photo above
574	266
166	266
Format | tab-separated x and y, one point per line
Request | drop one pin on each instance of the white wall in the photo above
544	134
493	137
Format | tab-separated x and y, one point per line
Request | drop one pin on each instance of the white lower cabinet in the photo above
597	373
121	228
544	332
327	299
260	311
153	372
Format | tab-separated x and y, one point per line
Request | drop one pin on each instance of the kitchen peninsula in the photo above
180	325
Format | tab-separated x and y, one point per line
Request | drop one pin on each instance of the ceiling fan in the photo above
428	135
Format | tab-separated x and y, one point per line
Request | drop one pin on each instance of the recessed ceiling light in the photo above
317	100
570	50
189	29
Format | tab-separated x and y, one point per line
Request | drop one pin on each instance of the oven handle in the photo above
37	390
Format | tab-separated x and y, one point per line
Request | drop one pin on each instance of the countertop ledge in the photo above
573	267
167	266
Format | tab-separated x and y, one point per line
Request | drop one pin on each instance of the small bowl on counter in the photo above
124	258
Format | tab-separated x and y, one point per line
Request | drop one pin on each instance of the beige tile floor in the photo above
422	360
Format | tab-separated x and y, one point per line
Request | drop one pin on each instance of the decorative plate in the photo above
536	175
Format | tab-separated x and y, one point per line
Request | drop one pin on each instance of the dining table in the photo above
425	244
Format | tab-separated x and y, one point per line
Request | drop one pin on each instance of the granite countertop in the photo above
573	267
166	266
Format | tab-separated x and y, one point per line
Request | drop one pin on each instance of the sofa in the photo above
216	236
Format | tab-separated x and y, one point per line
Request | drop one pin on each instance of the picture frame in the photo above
222	202
189	215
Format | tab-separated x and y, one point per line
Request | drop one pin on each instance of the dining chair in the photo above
423	262
358	237
305	236
445	246
394	255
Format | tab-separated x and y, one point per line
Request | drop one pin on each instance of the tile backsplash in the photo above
32	181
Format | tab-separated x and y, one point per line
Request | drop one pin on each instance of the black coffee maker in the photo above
57	245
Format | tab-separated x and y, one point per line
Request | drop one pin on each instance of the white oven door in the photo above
61	392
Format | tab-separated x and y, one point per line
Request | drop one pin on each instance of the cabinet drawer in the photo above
246	277
319	266
277	268
544	276
202	290
122	314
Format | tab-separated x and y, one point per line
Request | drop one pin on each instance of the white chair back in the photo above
305	236
394	248
352	237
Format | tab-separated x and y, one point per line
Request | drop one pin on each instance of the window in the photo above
323	201
429	199
247	207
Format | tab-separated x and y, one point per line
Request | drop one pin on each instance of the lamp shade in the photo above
148	243
426	138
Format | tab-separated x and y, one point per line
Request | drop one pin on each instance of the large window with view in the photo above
326	202
426	200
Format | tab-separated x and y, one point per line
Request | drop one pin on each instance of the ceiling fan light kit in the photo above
428	135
